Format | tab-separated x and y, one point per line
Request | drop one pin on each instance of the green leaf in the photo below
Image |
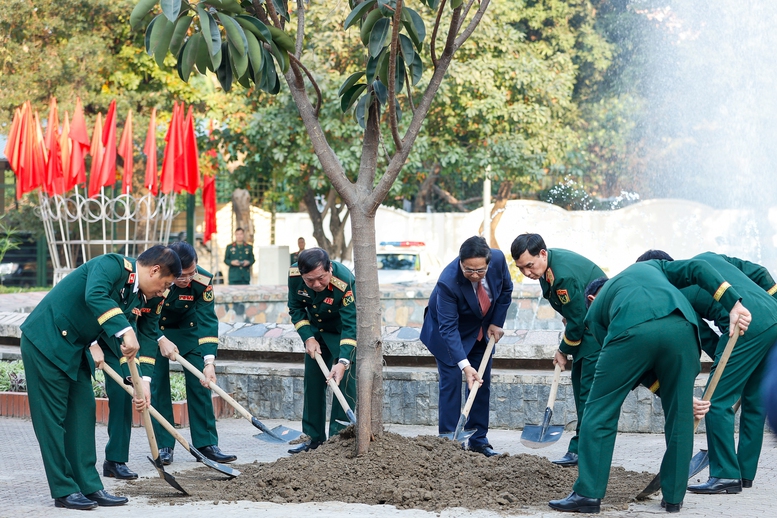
381	92
181	28
456	3
179	62
230	6
171	9
209	28
398	109
357	13
202	58
349	82
383	65
372	67
416	70
189	57
160	39
399	76
433	4
235	34
350	96
407	49
415	26
224	71
387	7
270	80
140	11
281	56
254	56
379	35
147	37
282	7
255	26
362	111
240	61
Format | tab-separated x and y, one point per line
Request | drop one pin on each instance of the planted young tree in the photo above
249	42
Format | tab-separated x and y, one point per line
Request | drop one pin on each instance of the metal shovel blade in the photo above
698	462
230	472
463	435
166	476
279	434
540	436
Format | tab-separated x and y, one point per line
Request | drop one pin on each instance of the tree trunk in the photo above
369	353
241	208
337	247
500	202
421	200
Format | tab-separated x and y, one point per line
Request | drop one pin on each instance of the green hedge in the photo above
12	380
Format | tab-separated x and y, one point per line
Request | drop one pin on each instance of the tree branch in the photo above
278	22
465	14
392	94
301	28
434	32
319	97
370	147
472	24
451	199
451	39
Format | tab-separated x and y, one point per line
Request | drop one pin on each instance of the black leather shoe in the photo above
486	450
105	499
671	508
215	454
74	501
118	470
305	446
575	503
569	459
166	456
747	483
715	486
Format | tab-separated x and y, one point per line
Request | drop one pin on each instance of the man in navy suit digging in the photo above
467	307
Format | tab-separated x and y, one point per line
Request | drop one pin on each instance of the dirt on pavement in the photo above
422	472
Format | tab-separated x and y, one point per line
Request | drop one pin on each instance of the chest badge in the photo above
303	293
186	297
329	300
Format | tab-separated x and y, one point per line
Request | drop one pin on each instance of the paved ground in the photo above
23	489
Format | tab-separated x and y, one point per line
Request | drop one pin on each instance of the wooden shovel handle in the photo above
218	390
153	411
332	383
554	386
481	371
719	370
138	384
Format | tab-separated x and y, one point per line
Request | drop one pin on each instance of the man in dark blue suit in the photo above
466	308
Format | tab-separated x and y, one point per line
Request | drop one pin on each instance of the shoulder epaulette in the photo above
128	265
294	272
339	283
166	293
248	244
202	279
234	243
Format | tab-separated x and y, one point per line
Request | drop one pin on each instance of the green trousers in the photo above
202	422
314	407
741	378
669	347
63	417
583	370
119	412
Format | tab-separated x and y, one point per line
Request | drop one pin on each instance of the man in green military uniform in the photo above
644	323
145	323
293	257
92	300
239	256
323	310
190	327
563	276
730	468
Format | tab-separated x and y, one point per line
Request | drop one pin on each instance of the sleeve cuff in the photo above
123	332
464	363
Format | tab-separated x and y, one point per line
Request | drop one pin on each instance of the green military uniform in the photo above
240	252
94	299
743	373
145	322
188	319
330	318
644	323
563	285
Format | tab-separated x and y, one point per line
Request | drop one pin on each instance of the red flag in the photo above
209	203
13	144
150	150
97	151
65	148
126	152
191	163
181	180
39	156
81	145
107	174
54	181
173	154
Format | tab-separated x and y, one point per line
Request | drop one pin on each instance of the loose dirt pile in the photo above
423	472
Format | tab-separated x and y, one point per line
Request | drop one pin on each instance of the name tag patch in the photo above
329	300
186	297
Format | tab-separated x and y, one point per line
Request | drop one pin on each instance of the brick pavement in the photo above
23	489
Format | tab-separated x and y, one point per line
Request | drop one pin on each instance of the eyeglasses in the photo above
479	271
186	277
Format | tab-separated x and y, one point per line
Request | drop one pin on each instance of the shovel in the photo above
460	434
226	470
702	459
539	436
336	390
167	477
279	434
655	484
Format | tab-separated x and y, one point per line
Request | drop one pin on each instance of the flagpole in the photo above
103	212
